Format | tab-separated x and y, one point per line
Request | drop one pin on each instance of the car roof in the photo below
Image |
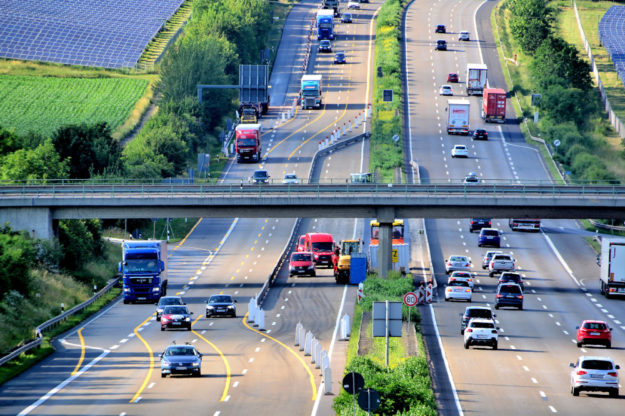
490	321
494	251
595	357
486	308
593	321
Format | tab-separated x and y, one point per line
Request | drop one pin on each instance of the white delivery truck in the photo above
612	267
458	116
476	78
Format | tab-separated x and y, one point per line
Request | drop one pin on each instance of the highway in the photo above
529	374
110	365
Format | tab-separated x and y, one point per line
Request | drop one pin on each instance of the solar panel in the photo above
104	33
612	37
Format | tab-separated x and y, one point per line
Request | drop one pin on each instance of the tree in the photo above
90	149
530	23
143	163
9	141
562	104
78	242
17	257
42	163
557	62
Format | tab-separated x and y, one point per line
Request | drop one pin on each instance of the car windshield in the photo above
325	43
457	258
323	246
220	299
347	16
460	147
510	289
511	278
480	313
482	325
180	351
489	232
502	258
290	176
301	257
595	325
596	365
471	179
458	283
260	174
170	301
177	310
461	274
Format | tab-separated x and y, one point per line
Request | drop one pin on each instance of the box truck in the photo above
458	116
494	105
476	78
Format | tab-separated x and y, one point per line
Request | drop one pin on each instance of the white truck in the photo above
612	267
458	112
476	78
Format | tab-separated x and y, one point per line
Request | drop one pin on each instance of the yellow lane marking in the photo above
286	122
188	234
369	62
147	346
300	359
297	131
223	357
82	350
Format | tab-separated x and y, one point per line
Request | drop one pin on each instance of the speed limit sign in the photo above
410	299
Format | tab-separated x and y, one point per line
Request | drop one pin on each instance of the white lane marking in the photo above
244	371
235	384
550	315
227	398
526	368
203	332
507	338
512	347
544	306
131	335
565	332
560	258
534	380
539	299
114	347
151	385
518	357
542	394
138	399
553	409
558	323
263	339
123	341
217	413
251	360
62	384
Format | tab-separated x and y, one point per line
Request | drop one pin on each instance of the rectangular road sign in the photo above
394	319
395	255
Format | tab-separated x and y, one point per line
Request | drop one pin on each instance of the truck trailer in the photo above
494	105
612	278
144	270
458	116
310	91
476	78
248	143
331	4
253	89
325	24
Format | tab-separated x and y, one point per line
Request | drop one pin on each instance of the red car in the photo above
301	243
594	332
302	263
452	77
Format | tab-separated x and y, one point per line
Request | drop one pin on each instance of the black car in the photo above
440	29
475	312
167	301
221	305
476	224
480	134
441	45
260	176
511	277
325	46
176	316
509	294
181	359
339	58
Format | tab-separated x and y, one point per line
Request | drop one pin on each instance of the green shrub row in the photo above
386	155
405	387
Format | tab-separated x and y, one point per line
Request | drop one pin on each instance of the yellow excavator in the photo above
342	265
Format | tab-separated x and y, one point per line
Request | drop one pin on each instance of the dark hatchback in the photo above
475	312
440	29
509	294
480	134
511	277
476	224
489	237
339	58
441	45
223	305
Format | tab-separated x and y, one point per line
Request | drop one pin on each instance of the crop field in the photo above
42	104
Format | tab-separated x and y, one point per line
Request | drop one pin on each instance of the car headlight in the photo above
230	306
126	289
210	307
187	319
156	289
312	266
196	364
165	363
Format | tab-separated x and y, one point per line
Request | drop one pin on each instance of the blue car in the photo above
181	359
489	237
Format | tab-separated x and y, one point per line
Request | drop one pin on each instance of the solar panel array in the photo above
612	37
102	33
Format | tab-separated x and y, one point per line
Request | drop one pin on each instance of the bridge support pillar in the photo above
36	221
386	216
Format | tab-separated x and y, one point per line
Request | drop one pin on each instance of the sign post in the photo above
353	383
387	321
410	300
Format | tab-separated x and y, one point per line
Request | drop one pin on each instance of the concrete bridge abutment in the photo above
36	221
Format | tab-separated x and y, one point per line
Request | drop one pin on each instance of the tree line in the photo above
569	104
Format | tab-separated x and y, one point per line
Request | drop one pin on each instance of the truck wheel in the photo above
163	375
491	274
126	301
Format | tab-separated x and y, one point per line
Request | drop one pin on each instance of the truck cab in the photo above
249	115
310	91
322	247
143	270
248	143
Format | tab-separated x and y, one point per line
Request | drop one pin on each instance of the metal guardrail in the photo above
55	321
295	231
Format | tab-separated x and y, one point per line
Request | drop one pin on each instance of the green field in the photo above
42	104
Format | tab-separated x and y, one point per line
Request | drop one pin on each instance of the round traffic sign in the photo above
369	400
556	143
353	382
410	299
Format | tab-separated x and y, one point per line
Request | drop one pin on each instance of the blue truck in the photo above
325	24
310	91
144	270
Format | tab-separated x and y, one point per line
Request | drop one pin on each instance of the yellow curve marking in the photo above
188	234
297	131
147	346
223	357
300	359
82	351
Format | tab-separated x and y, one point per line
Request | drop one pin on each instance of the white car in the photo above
501	263
458	290
481	331
353	5
446	90
464	35
290	178
471	179
464	276
456	262
594	374
459	150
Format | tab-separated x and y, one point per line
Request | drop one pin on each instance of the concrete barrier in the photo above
308	343
327	380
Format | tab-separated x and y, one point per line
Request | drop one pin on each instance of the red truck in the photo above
247	142
322	246
494	105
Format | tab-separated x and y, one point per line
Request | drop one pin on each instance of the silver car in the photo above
594	374
455	262
167	301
